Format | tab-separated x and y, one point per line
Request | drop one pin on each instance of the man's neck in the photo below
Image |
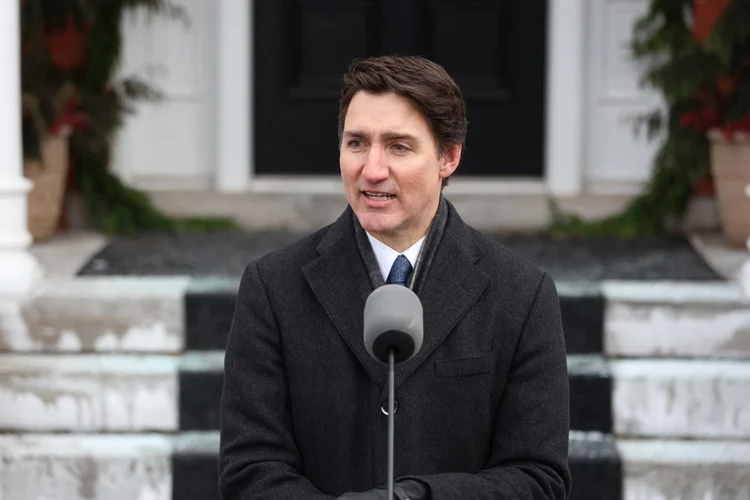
399	243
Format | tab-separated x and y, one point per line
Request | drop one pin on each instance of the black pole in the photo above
391	384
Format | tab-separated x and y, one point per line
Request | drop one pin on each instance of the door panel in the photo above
494	49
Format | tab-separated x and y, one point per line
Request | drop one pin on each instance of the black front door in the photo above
495	49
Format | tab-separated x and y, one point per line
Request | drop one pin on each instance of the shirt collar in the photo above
385	255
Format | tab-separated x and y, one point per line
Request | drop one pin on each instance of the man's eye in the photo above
355	143
399	147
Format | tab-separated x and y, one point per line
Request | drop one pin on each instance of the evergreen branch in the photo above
112	206
694	79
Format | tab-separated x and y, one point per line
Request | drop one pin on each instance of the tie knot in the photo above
400	271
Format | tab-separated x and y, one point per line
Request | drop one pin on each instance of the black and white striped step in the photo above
138	393
209	306
185	467
172	314
652	398
615	318
202	375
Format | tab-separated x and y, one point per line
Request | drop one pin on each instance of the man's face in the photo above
391	168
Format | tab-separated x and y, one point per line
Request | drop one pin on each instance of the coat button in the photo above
384	407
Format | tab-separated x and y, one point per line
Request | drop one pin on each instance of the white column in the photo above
235	113
564	132
18	269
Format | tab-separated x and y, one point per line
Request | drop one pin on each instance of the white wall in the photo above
616	160
171	144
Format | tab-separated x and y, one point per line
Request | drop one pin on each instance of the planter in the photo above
49	178
730	166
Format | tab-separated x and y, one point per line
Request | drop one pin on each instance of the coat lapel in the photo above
339	280
453	284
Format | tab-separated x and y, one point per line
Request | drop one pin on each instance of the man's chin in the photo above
377	223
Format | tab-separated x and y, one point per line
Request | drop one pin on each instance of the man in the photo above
483	408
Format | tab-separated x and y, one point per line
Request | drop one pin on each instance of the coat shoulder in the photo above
280	262
502	263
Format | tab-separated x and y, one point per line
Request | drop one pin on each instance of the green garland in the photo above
687	75
101	106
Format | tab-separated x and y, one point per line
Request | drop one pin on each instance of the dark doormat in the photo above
227	254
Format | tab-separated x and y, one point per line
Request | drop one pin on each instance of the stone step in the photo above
139	393
706	399
86	467
676	319
662	469
185	467
88	393
209	305
202	376
98	314
169	314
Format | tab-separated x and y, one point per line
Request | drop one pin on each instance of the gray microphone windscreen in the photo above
393	318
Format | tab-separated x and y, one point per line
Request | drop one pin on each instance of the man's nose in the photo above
375	167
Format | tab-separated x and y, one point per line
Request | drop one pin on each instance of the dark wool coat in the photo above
483	408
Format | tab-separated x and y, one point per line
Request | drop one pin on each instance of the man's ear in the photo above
449	160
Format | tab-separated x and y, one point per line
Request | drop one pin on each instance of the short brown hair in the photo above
425	83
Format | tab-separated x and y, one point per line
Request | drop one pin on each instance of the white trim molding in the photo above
236	115
19	270
565	91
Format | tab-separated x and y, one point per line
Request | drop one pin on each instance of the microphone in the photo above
393	333
393	320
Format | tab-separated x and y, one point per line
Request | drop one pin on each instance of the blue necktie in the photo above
400	271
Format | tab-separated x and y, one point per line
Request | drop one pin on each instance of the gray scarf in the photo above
426	253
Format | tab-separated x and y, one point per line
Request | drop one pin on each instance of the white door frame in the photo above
564	121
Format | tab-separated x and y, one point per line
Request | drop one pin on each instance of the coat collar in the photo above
340	282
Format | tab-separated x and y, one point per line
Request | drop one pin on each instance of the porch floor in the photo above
589	259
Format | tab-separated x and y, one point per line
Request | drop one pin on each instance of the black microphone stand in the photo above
391	390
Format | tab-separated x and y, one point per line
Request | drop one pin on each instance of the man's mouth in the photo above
375	196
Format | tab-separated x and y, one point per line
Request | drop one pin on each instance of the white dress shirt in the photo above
386	256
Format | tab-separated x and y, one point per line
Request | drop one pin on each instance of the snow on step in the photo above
677	319
94	467
143	314
663	469
88	393
681	398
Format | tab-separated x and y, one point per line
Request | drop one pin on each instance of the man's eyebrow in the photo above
354	133
396	136
389	136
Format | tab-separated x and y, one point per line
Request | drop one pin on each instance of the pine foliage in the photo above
89	96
